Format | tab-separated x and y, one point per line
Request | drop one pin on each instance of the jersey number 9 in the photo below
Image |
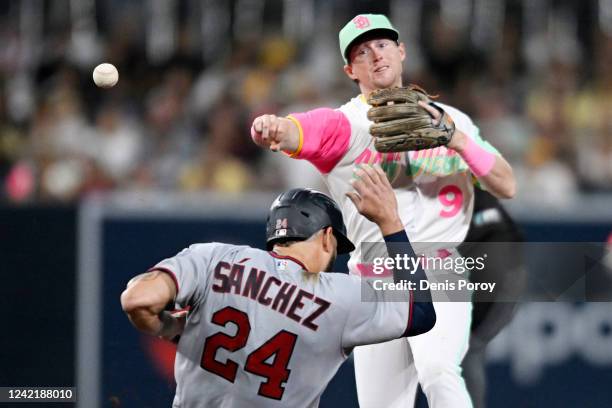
451	198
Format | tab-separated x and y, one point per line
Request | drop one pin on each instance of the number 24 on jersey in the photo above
280	346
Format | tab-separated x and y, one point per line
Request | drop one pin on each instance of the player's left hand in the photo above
173	324
457	141
375	199
406	119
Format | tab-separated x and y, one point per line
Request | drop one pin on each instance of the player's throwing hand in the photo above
275	133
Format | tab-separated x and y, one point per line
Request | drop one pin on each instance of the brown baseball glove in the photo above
400	124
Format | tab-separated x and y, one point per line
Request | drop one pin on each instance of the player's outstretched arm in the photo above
375	199
145	301
423	312
275	133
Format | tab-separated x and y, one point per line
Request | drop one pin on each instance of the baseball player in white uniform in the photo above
265	329
434	190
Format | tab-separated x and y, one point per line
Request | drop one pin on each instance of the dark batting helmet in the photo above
299	213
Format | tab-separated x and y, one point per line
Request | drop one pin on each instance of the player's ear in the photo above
348	69
402	50
328	239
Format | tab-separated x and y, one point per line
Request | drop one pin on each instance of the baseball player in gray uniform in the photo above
265	328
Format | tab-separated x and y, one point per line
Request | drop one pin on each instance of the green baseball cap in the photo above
361	24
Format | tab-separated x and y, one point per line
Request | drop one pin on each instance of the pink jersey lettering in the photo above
370	157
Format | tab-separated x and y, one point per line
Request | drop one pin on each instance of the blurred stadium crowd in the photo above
535	75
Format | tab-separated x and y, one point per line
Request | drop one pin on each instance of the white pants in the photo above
387	374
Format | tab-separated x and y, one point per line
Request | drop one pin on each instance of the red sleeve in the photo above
324	137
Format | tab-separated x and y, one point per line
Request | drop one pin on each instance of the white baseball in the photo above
105	75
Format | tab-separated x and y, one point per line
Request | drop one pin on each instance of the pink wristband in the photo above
478	159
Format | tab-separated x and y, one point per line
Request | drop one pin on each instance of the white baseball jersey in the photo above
263	332
434	187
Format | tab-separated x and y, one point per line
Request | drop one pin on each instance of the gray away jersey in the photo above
262	332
